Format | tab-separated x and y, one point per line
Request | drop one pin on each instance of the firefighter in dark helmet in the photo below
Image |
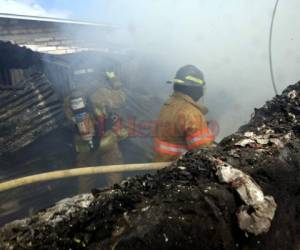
181	125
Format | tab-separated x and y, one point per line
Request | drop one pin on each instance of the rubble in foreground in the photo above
185	206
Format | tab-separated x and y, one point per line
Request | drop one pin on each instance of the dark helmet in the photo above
190	81
189	75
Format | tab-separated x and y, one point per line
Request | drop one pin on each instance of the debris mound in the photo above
186	206
28	113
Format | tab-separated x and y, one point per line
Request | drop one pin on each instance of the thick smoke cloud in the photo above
228	40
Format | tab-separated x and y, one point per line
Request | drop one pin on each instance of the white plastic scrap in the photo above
244	142
292	95
277	142
166	238
249	134
270	131
65	208
264	207
288	136
261	127
145	209
292	116
252	138
242	182
259	221
264	139
261	140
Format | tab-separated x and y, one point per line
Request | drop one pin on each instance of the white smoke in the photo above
228	40
30	8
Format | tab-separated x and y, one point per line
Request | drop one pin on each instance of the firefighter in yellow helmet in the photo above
98	132
181	125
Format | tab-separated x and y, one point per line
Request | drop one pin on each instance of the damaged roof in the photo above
55	20
55	35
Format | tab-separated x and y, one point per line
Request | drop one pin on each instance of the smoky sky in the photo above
227	40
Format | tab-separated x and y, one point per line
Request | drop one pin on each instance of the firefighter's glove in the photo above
108	141
110	75
110	138
123	134
99	112
81	146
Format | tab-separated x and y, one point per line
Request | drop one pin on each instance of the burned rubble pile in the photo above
28	113
29	104
186	206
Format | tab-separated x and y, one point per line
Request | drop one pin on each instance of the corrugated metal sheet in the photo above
27	114
56	20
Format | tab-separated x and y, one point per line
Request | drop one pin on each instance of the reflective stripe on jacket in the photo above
181	126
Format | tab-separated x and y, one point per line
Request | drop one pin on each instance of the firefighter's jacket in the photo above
181	126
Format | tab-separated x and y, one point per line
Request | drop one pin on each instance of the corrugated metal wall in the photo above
28	113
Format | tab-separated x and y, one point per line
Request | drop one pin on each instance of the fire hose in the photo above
60	174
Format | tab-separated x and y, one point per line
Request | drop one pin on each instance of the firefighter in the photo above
99	142
181	125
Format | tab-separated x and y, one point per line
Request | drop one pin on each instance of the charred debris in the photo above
33	87
187	205
35	136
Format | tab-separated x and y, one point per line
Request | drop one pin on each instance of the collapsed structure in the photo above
34	134
188	205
